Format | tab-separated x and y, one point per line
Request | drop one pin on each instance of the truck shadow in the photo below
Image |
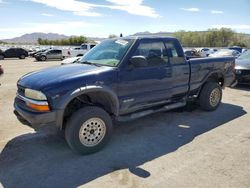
35	160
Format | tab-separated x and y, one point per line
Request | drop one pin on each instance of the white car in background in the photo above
77	51
205	52
225	53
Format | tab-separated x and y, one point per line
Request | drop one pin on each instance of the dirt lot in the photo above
184	148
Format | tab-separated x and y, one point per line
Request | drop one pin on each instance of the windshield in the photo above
108	53
245	55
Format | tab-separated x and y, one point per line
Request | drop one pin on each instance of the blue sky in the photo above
99	18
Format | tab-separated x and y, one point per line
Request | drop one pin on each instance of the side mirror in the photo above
139	61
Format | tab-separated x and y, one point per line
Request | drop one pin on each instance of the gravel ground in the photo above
182	148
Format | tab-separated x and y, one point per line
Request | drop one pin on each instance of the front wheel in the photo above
43	58
210	96
88	130
22	57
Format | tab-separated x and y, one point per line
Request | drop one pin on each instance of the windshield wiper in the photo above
90	63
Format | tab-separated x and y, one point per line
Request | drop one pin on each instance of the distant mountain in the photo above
147	33
32	38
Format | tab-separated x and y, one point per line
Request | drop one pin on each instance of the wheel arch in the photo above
215	76
90	95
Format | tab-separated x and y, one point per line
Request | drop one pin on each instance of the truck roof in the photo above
147	37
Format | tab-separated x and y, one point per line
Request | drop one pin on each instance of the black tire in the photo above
76	124
210	96
22	57
43	58
1	57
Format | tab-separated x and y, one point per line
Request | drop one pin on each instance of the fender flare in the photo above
88	89
218	72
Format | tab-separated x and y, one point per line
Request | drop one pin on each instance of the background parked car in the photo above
237	48
205	52
49	54
191	54
225	53
1	70
77	51
32	54
14	53
242	68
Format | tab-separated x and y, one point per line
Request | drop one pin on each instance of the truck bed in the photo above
201	68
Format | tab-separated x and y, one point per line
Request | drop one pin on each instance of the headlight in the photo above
33	94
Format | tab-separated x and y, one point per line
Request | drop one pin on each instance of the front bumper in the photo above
37	120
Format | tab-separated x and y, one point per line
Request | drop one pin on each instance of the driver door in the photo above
141	87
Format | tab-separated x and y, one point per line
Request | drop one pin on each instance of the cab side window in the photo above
175	53
154	52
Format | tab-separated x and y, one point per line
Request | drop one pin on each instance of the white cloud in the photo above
191	9
80	8
135	7
77	7
246	26
46	14
216	12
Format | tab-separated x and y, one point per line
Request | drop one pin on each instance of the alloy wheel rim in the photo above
92	132
214	98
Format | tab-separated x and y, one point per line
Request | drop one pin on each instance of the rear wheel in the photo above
1	57
88	130
210	96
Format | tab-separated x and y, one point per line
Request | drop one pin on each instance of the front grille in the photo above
20	90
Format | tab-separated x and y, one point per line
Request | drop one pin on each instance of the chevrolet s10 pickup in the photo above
119	79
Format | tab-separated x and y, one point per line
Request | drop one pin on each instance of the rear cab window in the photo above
175	52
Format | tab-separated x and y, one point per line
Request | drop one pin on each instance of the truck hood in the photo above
242	64
53	76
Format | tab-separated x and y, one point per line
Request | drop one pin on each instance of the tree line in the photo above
2	42
212	38
72	41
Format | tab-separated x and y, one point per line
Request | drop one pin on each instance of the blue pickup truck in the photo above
120	79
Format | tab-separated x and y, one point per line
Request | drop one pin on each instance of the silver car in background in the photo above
242	68
49	54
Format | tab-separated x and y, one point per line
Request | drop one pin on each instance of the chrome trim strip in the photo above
42	103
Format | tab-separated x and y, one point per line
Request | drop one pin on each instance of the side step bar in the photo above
137	115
